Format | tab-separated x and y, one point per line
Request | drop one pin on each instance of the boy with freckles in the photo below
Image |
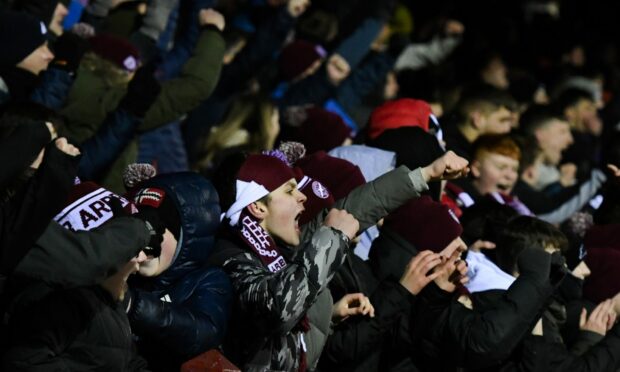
278	269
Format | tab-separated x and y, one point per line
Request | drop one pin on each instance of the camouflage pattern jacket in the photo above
263	333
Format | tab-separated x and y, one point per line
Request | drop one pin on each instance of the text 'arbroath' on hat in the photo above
89	207
426	224
258	176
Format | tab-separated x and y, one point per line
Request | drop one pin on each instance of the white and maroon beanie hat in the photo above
89	207
258	176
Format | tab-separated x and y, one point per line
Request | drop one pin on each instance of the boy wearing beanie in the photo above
363	343
277	283
78	329
447	332
82	326
573	338
179	307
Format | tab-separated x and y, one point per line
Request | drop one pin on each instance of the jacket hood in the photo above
197	202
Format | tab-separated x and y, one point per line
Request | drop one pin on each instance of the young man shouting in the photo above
276	284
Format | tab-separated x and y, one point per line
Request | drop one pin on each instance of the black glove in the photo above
152	221
156	229
536	262
142	90
69	49
558	268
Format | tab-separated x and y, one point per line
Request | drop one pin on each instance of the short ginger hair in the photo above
501	144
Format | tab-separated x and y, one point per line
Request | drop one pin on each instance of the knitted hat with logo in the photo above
116	50
425	223
338	175
90	207
297	57
258	176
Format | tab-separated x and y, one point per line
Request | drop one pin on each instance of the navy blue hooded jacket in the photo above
184	311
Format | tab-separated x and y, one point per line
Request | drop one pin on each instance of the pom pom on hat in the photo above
116	50
278	155
579	223
426	224
136	173
293	151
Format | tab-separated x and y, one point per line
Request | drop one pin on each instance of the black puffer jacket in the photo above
362	343
184	311
446	333
81	329
27	210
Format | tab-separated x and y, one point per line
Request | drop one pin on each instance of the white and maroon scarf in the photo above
260	242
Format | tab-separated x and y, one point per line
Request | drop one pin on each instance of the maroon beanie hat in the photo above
426	224
318	198
604	280
338	175
297	56
268	171
603	236
116	50
603	259
322	130
258	176
89	207
404	112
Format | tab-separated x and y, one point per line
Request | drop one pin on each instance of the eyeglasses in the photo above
153	252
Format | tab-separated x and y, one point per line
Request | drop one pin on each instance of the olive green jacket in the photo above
90	100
